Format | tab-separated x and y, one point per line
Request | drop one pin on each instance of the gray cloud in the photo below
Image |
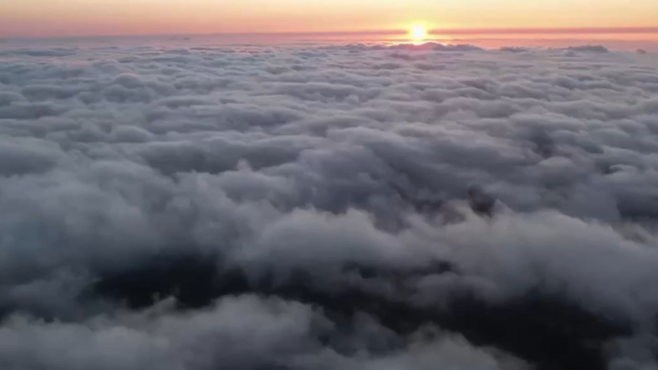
244	332
307	207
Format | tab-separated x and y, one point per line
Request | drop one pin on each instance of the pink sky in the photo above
39	18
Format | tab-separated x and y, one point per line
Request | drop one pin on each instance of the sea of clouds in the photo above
290	208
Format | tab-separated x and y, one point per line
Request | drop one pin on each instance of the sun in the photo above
418	32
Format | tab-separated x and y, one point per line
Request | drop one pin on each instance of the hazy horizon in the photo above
627	38
393	31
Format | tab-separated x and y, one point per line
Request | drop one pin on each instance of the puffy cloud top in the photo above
308	207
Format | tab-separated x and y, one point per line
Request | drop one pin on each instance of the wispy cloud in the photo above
540	31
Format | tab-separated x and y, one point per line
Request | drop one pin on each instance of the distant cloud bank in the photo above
308	208
556	30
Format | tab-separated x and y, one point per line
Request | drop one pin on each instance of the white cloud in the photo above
333	178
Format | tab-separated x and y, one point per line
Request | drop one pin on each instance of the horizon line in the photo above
433	31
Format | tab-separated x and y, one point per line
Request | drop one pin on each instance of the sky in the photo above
39	18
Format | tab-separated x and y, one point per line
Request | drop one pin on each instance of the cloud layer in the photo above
307	207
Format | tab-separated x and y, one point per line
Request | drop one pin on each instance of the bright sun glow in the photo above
418	32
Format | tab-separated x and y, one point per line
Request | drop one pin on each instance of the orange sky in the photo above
113	17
